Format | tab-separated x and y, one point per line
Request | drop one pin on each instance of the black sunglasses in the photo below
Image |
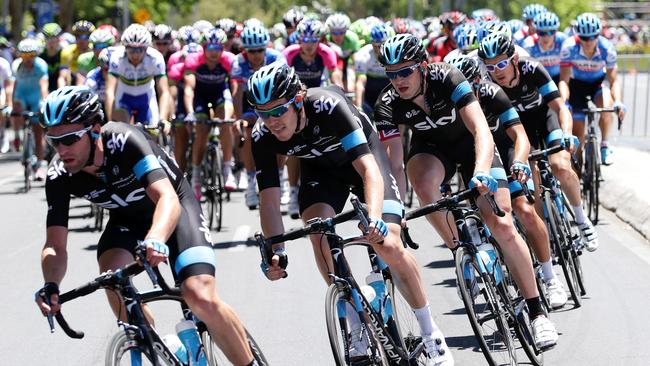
588	38
545	33
67	139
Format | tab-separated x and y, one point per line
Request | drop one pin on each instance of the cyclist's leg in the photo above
226	138
603	99
427	169
39	137
200	144
124	106
17	120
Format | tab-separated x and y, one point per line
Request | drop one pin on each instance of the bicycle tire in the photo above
559	243
336	328
407	326
215	357
217	186
500	332
118	352
595	200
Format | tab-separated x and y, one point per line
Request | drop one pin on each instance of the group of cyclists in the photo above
323	108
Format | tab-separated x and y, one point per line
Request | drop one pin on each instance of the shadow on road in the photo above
250	242
441	264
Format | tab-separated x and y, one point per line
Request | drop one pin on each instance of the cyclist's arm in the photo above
54	256
565	77
395	151
167	212
373	183
44	86
360	90
475	122
9	93
81	79
268	181
188	97
614	84
517	134
566	120
238	98
64	76
111	84
164	100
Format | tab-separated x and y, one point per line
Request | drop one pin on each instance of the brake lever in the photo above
140	253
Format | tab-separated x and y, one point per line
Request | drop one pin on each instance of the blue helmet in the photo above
469	66
254	36
380	33
189	34
71	104
548	21
588	24
515	25
215	36
530	11
272	82
310	28
494	45
402	48
466	37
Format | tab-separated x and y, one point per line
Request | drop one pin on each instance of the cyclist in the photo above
234	43
6	101
207	76
543	114
52	56
441	46
81	31
112	30
587	59
338	149
31	83
163	40
348	43
134	72
447	123
118	167
466	36
545	45
100	39
96	78
291	19
256	54
513	146
371	77
528	14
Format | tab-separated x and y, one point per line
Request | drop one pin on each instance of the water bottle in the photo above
489	257
176	347
189	335
376	281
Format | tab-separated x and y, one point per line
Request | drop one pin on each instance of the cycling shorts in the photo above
143	107
544	131
31	101
579	91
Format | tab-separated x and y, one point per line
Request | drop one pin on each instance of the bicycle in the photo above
28	157
492	302
391	331
138	336
566	245
591	176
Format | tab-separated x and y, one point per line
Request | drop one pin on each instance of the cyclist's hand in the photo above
484	183
6	111
377	231
274	272
520	171
190	118
157	251
570	142
166	126
621	109
47	298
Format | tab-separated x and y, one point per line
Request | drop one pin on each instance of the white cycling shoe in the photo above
544	333
589	234
556	293
437	351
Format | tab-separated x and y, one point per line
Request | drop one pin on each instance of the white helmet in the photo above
136	35
338	22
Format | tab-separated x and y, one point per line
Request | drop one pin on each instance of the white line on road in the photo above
241	235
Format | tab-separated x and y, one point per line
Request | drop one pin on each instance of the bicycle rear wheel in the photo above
214	187
591	179
215	356
486	314
406	324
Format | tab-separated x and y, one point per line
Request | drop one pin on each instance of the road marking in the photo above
241	235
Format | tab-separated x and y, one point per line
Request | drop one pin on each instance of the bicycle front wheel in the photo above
124	351
215	356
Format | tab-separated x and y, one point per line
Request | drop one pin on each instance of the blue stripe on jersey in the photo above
461	90
353	139
498	173
393	208
548	88
556	134
508	115
193	255
145	165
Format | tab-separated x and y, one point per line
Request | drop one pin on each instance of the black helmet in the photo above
467	65
402	48
494	45
272	82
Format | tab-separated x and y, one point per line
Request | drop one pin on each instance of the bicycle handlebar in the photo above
540	154
452	201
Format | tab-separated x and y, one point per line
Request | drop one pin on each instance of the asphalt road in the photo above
287	317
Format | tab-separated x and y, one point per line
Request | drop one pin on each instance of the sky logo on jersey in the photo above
117	141
430	124
389	96
488	90
56	170
323	104
412	113
313	153
117	201
258	131
529	67
439	73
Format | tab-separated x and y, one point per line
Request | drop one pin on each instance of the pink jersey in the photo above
194	60
325	52
176	62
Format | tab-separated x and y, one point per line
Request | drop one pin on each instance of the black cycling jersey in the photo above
132	162
53	68
335	134
310	73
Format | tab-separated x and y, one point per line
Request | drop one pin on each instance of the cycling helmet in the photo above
188	34
310	28
82	27
292	17
101	38
311	15
150	25
547	21
588	24
469	66
112	30
515	25
530	11
136	35
279	30
484	15
215	36
29	46
202	26
338	22
402	48
466	37
51	30
380	33
494	45
162	32
71	104
402	26
253	21
452	18
255	37
272	82
228	25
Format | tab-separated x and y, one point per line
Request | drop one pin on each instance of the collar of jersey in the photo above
581	52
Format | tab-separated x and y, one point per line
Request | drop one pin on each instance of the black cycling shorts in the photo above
542	128
578	93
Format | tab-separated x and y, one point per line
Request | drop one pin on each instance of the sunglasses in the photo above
546	33
309	39
499	65
100	46
135	49
403	72
68	139
213	46
337	33
162	43
83	37
28	56
257	50
275	112
588	38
